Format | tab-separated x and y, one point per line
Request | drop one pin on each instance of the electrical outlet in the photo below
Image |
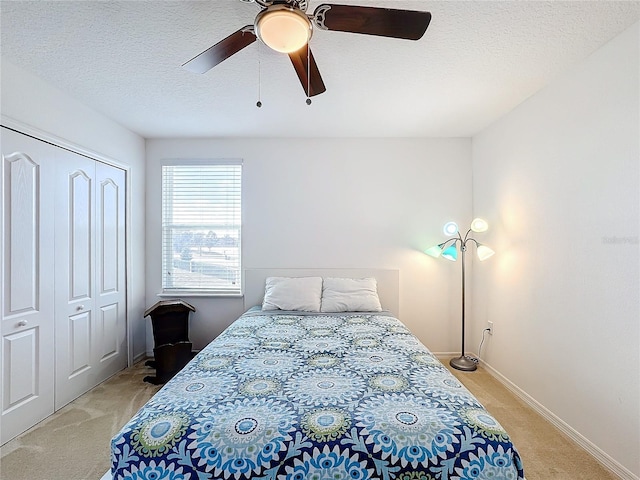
490	327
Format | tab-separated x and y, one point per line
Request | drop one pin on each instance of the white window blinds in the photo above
201	227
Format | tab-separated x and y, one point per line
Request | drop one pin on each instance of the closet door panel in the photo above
111	272
80	344
80	240
26	295
108	248
20	361
110	328
22	219
74	271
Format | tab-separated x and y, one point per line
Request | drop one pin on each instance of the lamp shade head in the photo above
484	252
450	228
434	251
479	225
450	253
283	28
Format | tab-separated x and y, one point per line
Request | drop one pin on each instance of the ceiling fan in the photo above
284	26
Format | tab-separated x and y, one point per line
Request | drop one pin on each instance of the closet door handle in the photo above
22	323
80	308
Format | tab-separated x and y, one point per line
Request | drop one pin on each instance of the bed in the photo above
297	394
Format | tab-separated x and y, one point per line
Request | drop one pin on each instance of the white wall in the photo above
31	101
558	179
331	203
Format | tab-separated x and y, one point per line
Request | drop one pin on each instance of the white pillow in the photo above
350	295
285	293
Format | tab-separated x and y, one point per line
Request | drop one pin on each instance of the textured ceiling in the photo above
477	61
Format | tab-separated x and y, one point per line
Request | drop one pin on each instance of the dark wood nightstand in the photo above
172	348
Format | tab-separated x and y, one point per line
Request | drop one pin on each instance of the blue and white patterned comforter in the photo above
314	396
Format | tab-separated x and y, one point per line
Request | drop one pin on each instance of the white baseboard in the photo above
604	458
446	355
140	357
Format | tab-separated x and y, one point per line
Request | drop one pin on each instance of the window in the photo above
201	226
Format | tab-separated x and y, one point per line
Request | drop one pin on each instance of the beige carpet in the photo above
73	444
547	453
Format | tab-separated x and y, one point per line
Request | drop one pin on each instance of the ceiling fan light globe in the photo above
283	29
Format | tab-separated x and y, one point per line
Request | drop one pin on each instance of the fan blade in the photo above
313	84
385	22
222	50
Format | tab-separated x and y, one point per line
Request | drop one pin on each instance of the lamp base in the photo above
463	363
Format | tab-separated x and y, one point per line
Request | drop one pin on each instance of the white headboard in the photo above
388	282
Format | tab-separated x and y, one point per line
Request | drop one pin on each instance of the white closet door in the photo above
74	272
27	260
90	275
111	327
63	292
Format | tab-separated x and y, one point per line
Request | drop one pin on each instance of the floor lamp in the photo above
449	250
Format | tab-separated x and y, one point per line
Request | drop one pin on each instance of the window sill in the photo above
200	294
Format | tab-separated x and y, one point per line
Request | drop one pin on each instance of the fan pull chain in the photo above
259	102
308	74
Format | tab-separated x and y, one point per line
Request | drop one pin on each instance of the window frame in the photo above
183	290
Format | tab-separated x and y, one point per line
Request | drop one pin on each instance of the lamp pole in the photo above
462	362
